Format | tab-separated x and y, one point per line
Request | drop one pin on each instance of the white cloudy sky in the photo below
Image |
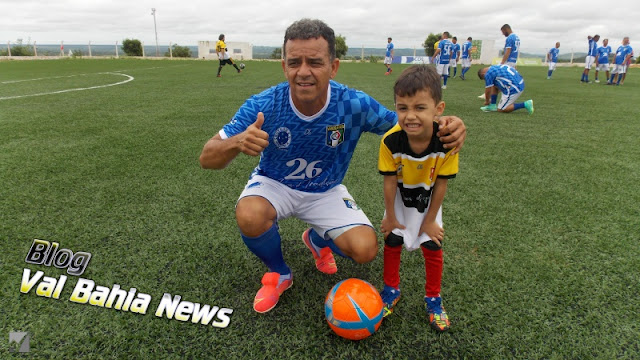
539	23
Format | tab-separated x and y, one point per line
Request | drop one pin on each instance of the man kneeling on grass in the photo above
507	80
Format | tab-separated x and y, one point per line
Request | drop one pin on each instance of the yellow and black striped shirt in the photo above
417	173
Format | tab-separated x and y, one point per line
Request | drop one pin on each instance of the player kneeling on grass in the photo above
416	168
507	80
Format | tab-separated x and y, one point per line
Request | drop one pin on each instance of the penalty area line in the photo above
129	78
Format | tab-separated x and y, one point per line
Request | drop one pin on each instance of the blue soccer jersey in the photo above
513	43
554	54
466	50
445	50
310	154
593	47
455	48
603	54
506	78
622	53
389	48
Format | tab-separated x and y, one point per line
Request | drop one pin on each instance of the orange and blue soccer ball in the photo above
353	309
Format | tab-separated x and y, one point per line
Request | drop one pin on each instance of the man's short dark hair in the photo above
416	78
505	26
447	34
455	38
305	29
469	38
221	37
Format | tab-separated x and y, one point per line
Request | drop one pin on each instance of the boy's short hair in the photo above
416	78
221	36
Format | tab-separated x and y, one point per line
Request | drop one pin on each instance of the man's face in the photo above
625	41
558	45
388	40
605	42
308	69
505	32
455	41
596	38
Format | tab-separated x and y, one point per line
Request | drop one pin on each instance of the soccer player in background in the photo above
591	57
436	59
511	47
455	56
507	80
623	55
305	131
466	57
626	67
388	56
602	58
552	59
444	53
416	168
223	55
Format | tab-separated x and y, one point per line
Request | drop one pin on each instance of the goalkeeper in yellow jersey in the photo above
223	55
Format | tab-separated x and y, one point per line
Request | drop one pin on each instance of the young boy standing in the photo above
416	168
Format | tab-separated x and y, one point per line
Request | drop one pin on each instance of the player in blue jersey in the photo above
455	56
623	55
444	51
466	57
505	79
602	58
552	59
591	57
388	56
305	131
626	66
511	47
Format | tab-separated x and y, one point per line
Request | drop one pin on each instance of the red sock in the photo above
433	262
392	265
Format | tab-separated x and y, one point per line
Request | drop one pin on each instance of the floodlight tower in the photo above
153	12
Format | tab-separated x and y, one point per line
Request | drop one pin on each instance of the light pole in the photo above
153	12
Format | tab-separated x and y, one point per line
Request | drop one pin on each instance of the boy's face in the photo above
417	113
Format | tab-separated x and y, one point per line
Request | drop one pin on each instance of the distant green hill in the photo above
259	52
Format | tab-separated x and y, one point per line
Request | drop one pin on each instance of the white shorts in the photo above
466	62
412	219
619	69
443	69
387	60
511	64
589	61
328	211
506	100
602	67
552	66
453	63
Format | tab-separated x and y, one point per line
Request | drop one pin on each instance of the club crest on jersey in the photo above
335	135
351	204
282	137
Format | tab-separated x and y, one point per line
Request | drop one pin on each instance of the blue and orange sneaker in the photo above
324	257
390	297
273	285
438	318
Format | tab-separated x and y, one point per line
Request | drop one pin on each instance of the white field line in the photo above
129	78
